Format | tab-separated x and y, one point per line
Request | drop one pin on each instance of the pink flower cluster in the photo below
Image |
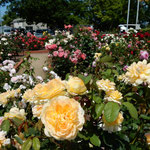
61	53
77	55
74	57
51	47
68	26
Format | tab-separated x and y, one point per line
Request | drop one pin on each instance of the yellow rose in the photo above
114	96
50	90
75	86
97	55
63	118
107	48
3	140
37	110
45	92
105	85
113	126
117	44
13	93
118	121
28	95
147	135
7	95
138	73
15	113
3	98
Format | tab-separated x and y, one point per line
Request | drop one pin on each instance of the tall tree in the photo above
103	14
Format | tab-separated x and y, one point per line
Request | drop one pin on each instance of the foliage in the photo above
104	15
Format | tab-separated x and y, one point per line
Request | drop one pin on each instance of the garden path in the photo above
38	64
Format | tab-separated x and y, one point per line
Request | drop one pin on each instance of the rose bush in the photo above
100	104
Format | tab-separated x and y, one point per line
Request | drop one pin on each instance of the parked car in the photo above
38	33
7	31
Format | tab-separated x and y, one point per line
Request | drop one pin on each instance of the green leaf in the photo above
111	111
144	117
108	72
85	137
97	99
18	139
95	140
36	143
17	121
106	59
27	144
132	110
129	94
87	79
98	109
82	77
5	126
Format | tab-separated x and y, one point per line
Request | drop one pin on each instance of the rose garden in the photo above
95	94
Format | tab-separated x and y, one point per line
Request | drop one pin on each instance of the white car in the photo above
122	28
7	31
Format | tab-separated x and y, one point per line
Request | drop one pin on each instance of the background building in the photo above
21	23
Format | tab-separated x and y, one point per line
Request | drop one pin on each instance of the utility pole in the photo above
137	13
128	14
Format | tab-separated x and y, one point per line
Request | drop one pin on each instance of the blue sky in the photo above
2	11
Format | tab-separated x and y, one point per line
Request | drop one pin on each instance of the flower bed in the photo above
97	98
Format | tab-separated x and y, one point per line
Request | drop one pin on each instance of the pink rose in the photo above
29	34
55	53
51	47
73	60
129	45
83	56
60	49
60	54
144	55
67	52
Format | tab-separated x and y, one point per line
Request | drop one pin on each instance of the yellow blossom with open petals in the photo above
63	117
28	95
45	92
114	96
4	97
75	86
37	110
15	113
138	73
97	55
113	126
105	85
52	89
